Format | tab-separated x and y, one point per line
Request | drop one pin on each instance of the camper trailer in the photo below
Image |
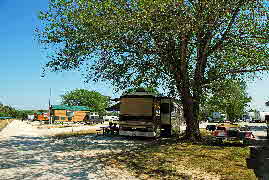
144	114
258	117
39	116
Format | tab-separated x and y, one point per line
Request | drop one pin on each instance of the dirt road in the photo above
26	154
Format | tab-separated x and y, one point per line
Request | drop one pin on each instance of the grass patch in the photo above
75	133
172	160
4	123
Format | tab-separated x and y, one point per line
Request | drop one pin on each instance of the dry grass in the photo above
75	133
4	123
58	126
172	160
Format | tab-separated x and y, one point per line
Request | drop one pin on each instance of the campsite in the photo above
75	150
134	89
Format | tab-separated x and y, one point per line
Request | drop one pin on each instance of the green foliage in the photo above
83	97
139	42
31	112
142	89
42	111
8	111
229	97
111	113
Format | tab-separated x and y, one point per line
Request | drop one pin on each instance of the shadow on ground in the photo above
23	157
172	158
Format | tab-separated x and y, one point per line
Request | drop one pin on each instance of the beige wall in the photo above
136	106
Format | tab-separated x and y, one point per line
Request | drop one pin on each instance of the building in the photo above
65	113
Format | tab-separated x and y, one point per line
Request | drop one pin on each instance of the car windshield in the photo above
233	128
221	128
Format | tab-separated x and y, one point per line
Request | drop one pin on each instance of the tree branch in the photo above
222	76
224	35
244	71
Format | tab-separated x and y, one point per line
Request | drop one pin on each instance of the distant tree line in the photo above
8	111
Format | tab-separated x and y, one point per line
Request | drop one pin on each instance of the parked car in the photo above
233	132
211	127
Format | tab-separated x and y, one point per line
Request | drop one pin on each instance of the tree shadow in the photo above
72	157
141	163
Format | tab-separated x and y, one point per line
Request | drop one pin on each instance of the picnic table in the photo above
111	129
104	128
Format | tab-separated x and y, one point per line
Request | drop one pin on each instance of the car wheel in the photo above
246	142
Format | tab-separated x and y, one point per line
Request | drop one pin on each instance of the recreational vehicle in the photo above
145	114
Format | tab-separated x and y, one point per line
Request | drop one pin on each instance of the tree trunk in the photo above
190	105
191	102
191	113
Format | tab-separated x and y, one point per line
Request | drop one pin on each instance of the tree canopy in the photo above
182	46
142	89
83	97
228	97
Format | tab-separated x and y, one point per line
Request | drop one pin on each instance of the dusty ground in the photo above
26	154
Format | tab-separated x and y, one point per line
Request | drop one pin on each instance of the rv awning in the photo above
71	108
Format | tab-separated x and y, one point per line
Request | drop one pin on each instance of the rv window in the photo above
165	108
56	117
62	118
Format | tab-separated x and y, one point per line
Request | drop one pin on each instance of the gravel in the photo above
26	154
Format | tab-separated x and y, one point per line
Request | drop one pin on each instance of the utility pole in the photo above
50	120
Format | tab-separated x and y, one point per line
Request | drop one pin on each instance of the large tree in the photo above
83	97
181	45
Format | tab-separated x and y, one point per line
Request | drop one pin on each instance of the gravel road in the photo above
25	153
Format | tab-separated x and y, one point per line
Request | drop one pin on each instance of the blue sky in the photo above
21	60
